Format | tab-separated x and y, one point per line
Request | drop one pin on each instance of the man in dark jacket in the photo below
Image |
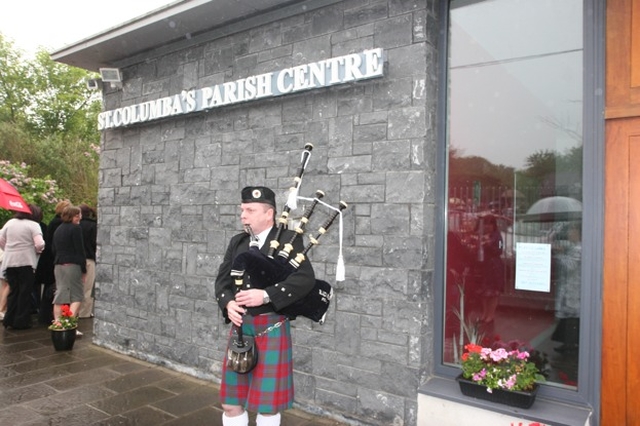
268	388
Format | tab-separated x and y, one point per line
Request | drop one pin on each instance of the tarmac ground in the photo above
91	385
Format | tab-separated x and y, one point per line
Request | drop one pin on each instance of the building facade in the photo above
444	125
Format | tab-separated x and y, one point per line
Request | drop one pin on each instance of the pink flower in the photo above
509	383
485	353
480	375
499	355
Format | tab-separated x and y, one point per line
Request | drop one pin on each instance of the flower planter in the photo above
518	399
63	340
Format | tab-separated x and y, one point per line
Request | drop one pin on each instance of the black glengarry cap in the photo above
258	194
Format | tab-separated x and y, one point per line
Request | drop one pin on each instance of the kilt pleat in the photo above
268	388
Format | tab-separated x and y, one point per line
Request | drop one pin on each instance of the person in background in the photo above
70	263
491	267
4	288
89	234
36	216
268	388
569	260
22	242
44	272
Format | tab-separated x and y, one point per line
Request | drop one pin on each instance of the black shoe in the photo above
21	327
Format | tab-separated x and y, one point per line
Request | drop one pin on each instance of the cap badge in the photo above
256	193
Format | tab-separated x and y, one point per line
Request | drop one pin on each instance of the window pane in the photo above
515	179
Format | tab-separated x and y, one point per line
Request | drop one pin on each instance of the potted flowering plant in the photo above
63	330
499	375
67	320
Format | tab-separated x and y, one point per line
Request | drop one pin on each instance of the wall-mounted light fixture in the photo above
111	75
93	83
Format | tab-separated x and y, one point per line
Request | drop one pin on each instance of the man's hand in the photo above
235	312
250	298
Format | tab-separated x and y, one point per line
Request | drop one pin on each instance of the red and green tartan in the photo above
268	388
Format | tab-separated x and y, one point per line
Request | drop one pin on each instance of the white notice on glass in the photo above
533	267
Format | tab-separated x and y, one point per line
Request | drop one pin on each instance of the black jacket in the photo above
44	272
68	247
89	237
293	288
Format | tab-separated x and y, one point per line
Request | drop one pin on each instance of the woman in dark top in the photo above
44	272
70	262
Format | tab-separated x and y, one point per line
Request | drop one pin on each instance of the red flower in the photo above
473	348
66	311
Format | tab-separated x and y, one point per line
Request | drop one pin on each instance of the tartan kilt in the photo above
268	388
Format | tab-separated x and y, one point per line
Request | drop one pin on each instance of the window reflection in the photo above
515	180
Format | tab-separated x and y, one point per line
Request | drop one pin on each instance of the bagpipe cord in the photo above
340	268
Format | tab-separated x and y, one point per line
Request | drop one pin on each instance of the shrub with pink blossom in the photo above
41	192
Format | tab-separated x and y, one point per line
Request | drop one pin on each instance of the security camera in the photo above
93	84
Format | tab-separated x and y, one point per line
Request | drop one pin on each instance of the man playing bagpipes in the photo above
252	306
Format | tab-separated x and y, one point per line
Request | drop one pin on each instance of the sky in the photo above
513	96
53	24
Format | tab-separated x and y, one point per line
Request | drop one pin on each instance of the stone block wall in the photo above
169	202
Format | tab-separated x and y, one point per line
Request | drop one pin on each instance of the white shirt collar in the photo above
262	237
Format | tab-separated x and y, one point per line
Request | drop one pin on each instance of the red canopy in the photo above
11	199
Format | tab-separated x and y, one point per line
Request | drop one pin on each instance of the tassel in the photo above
292	201
340	269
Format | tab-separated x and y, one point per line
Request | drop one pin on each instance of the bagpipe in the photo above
273	268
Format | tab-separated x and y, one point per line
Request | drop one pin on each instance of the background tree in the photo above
48	122
14	88
554	173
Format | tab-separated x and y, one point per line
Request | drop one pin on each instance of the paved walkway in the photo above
91	385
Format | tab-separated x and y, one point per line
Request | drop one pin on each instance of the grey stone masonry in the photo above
169	203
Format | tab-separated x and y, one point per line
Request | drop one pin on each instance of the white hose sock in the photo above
241	420
268	420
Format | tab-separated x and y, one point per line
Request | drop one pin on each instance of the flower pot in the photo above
63	340
520	399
